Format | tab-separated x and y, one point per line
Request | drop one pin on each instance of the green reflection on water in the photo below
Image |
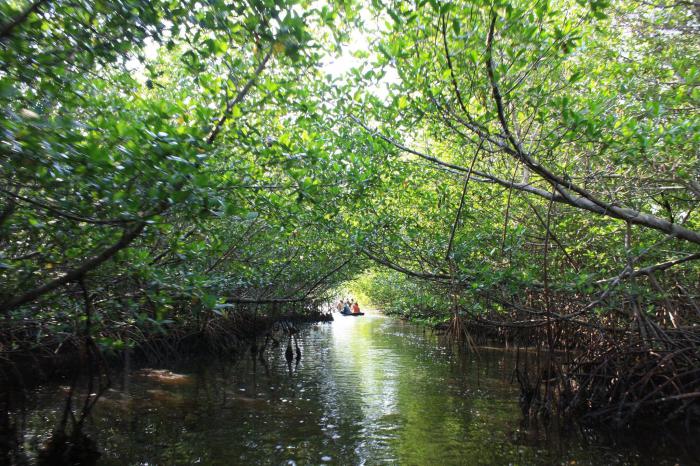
369	390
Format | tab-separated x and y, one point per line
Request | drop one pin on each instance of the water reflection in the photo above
368	390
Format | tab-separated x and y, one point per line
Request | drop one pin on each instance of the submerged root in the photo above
620	369
624	380
74	449
457	331
619	380
40	355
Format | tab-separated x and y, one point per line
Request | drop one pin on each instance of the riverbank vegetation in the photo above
526	171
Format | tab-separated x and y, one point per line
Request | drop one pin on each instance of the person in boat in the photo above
346	308
355	308
339	306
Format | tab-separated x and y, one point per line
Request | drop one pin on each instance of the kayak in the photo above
352	313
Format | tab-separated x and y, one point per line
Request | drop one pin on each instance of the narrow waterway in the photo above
368	390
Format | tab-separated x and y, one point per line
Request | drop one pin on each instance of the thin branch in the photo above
67	215
239	97
233	248
264	300
318	282
127	237
398	268
164	253
6	29
461	201
458	93
652	268
554	237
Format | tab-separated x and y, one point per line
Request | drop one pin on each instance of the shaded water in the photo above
368	390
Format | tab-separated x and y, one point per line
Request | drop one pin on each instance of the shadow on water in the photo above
66	443
368	390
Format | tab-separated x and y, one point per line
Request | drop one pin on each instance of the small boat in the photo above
352	313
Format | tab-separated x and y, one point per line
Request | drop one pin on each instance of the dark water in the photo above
368	390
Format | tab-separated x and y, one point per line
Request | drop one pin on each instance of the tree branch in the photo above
6	29
127	237
461	202
582	202
263	301
652	268
458	93
76	218
239	97
398	268
586	200
318	282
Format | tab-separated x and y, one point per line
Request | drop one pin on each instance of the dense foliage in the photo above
505	162
166	158
554	147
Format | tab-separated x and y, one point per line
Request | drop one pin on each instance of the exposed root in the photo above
621	370
25	362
